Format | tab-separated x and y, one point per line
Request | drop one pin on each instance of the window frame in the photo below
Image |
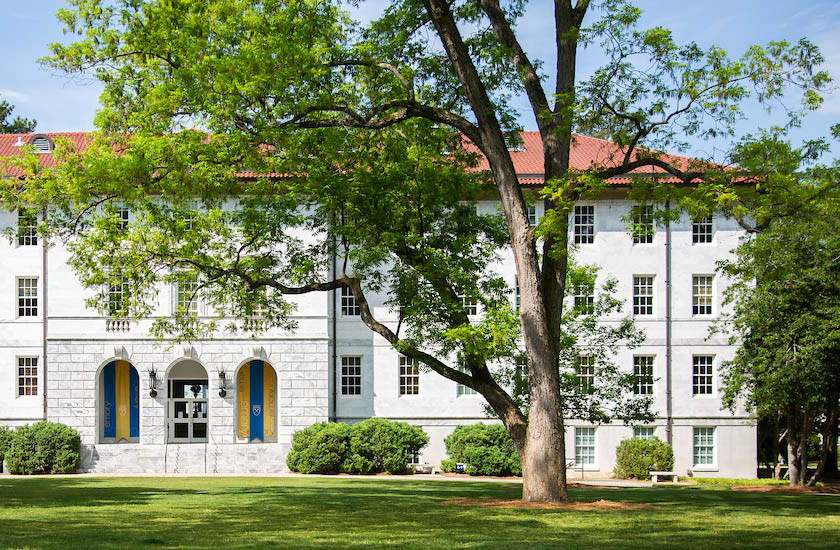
695	297
27	235
176	297
696	382
593	434
20	306
533	218
405	378
648	384
349	389
462	390
710	466
640	309
349	307
637	432
469	304
703	231
585	380
583	224
27	379
644	217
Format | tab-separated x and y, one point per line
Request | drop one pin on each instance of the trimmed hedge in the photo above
635	458
484	449
44	448
372	446
6	435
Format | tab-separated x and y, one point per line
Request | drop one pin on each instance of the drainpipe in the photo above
334	346
44	316
668	321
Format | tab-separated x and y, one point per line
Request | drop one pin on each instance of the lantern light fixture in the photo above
222	383
152	383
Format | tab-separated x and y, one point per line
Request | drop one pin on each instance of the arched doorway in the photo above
256	395
119	394
187	410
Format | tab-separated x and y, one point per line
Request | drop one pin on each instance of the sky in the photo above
62	103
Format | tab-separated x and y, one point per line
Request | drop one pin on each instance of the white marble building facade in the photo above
331	367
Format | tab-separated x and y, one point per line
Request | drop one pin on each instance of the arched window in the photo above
256	393
120	398
41	144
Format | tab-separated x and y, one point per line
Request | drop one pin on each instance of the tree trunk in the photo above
794	464
829	441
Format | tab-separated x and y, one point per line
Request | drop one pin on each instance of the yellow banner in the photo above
123	387
243	393
269	402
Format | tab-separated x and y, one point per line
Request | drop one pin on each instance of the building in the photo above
232	403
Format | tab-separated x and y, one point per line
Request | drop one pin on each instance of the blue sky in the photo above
60	103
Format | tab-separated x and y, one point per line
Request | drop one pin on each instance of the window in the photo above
188	216
462	389
41	145
583	224
704	446
642	295
701	295
27	291
412	457
27	378
644	432
643	373
701	231
584	446
532	215
584	301
470	304
186	299
520	379
517	296
409	376
348	303
351	375
118	297
122	217
585	372
643	226
27	229
701	383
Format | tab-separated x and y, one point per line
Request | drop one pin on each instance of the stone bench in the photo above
654	476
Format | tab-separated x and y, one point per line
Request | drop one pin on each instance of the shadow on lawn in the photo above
250	513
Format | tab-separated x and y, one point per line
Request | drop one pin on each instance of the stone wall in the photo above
72	383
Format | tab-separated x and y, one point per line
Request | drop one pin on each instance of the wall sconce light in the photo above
222	383
152	383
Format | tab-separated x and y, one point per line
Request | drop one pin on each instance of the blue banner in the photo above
257	412
110	401
134	399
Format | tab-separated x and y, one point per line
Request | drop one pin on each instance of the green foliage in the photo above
727	481
372	446
44	448
485	449
448	465
636	458
321	448
17	125
379	445
6	435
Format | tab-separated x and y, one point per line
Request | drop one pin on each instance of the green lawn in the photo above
257	513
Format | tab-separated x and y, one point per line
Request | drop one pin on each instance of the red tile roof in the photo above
586	152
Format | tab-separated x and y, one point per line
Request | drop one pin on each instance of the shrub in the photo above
44	447
6	435
379	445
320	448
448	465
485	449
372	446
635	458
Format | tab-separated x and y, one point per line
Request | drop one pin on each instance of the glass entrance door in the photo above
188	411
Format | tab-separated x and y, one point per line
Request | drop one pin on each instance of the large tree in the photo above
287	86
785	294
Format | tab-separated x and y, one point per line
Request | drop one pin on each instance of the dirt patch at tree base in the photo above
798	490
568	505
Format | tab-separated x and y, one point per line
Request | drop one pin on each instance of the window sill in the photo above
704	469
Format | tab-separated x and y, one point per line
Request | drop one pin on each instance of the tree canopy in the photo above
17	125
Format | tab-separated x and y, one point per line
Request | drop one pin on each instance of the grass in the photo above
728	481
304	513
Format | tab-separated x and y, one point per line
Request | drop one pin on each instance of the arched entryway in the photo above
256	396
119	396
187	397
